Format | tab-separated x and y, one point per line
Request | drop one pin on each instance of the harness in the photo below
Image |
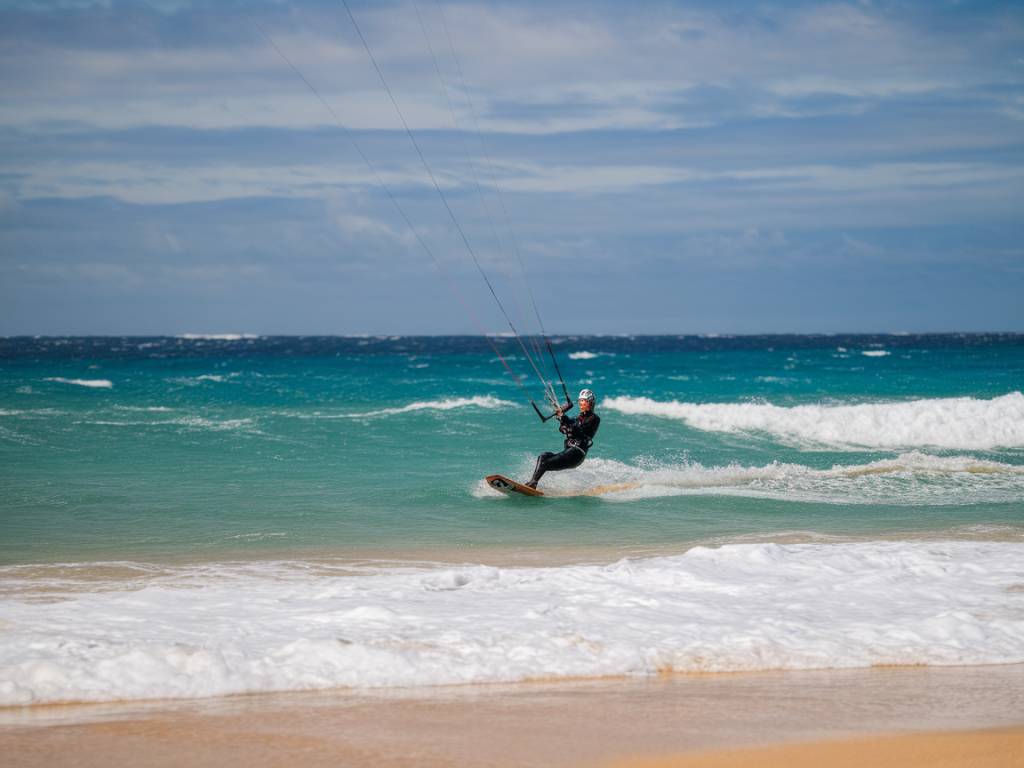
575	437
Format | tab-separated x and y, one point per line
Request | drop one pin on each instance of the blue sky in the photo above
665	167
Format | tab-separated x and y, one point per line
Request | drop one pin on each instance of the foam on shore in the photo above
210	630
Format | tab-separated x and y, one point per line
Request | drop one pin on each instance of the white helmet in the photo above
586	394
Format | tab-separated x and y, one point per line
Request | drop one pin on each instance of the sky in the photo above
649	167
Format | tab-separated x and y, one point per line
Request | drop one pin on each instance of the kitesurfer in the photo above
579	436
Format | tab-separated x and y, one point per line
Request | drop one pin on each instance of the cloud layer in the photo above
157	153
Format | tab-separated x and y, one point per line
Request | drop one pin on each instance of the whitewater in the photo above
216	514
956	423
914	478
194	632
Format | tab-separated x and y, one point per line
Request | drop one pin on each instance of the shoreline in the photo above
495	555
647	723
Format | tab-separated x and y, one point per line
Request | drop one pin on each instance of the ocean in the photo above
208	515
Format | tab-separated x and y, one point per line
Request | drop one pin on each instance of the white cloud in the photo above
816	85
530	69
880	176
152	183
168	183
594	179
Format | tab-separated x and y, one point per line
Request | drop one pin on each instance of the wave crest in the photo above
194	631
91	383
445	404
957	423
217	336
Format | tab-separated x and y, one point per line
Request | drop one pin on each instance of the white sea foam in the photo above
92	383
188	422
258	536
32	413
217	336
875	352
203	631
217	425
446	404
584	355
965	423
911	479
194	381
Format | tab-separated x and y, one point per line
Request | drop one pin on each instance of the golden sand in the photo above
1003	748
760	719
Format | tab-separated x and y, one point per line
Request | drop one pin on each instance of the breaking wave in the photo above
447	404
91	383
217	336
213	630
956	423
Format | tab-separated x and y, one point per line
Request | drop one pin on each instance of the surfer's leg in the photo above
570	458
540	468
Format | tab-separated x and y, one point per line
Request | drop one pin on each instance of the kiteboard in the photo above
508	486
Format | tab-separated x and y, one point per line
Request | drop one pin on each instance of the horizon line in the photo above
232	336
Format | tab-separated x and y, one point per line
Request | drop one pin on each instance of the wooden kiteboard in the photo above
508	486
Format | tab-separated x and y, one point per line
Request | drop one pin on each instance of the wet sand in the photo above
116	567
1001	748
659	722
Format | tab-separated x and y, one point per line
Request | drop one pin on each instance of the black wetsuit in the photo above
579	436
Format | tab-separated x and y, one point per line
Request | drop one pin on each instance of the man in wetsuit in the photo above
579	436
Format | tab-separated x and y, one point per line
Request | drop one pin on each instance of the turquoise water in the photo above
151	448
185	517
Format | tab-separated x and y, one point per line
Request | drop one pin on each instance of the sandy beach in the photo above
734	288
1002	748
883	716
